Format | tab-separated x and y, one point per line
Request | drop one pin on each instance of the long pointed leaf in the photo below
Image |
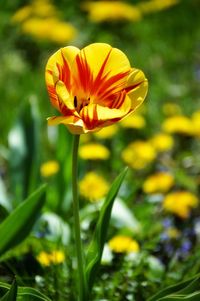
24	293
18	224
191	297
94	254
11	295
182	288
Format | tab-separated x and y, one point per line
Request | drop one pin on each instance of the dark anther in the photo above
89	98
75	101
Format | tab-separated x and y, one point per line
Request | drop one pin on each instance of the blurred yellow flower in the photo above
50	29
171	108
180	203
196	123
94	151
43	8
155	5
49	168
134	121
101	11
55	257
93	187
179	124
38	8
22	14
158	182
162	142
139	154
123	244
40	20
107	132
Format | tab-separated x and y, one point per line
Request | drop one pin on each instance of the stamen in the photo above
75	101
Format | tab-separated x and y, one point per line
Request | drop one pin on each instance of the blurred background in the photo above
160	144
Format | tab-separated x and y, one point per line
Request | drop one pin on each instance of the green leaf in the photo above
24	293
16	227
191	297
11	295
186	290
24	150
94	252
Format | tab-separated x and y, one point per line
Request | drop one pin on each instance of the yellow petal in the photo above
63	95
52	73
140	87
75	125
98	53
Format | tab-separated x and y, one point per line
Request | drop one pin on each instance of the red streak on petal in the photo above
65	73
52	93
128	89
91	121
85	75
118	100
100	78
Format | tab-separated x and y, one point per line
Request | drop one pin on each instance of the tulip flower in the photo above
93	87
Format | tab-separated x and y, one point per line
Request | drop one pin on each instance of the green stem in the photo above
79	252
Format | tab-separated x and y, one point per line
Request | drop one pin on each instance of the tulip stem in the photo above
77	229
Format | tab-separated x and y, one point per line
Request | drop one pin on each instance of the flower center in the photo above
80	103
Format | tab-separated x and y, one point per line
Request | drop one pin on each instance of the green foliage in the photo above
95	249
165	45
14	293
15	228
11	295
186	290
24	149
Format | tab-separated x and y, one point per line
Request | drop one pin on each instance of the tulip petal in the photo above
64	95
98	79
94	115
59	67
117	61
75	125
137	87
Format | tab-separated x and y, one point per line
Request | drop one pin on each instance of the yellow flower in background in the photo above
107	132
196	123
49	168
180	203
94	151
62	32
159	182
162	142
38	8
47	259
93	87
155	5
22	14
134	121
49	29
171	108
179	124
101	11
40	20
93	187
43	8
139	154
123	244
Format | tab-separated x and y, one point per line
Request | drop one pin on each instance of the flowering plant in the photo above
92	88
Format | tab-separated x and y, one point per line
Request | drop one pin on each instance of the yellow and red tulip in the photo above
93	87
